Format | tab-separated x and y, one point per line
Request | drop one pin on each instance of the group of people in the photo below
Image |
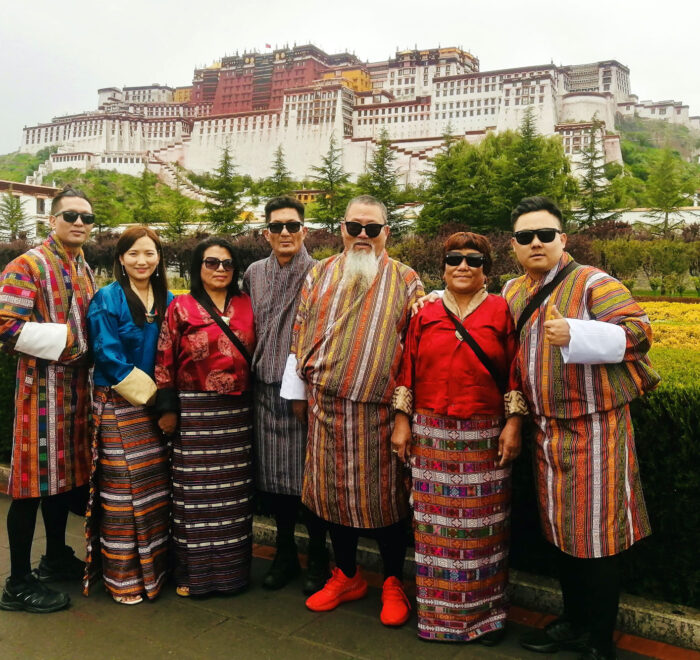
340	394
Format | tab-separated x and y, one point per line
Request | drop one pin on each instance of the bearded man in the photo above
346	351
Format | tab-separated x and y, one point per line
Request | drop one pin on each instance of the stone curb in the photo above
673	624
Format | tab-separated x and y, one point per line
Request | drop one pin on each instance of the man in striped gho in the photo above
44	298
274	285
346	350
582	359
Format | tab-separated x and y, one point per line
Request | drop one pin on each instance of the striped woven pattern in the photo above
212	475
348	342
461	502
280	443
129	506
51	446
351	477
588	486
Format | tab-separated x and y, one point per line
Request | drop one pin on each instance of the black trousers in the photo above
285	509
21	521
591	591
392	541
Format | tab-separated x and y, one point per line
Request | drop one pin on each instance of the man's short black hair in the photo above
68	191
532	204
284	202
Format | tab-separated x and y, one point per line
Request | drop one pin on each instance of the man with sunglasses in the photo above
583	345
341	373
44	297
274	285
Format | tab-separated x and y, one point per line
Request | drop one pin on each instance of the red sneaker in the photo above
339	589
395	606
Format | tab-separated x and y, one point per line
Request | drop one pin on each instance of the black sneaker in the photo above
66	567
317	572
594	653
559	634
493	637
30	595
285	567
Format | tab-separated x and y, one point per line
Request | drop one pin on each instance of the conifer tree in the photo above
225	212
13	220
381	179
332	180
596	199
280	182
143	212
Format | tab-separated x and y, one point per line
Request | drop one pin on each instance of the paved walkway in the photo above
257	624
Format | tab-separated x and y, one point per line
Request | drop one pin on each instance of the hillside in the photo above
17	166
653	134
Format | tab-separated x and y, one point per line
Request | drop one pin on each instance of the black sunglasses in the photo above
277	227
373	229
212	263
526	236
72	216
456	258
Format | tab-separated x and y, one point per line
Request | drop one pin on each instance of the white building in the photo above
36	205
415	96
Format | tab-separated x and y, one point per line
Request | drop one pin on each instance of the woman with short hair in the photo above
128	514
204	383
458	406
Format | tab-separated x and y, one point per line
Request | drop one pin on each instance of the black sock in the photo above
316	528
284	508
54	510
392	541
21	521
344	540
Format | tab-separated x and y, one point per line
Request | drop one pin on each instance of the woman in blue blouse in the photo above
128	513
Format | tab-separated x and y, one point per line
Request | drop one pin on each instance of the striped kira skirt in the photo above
212	472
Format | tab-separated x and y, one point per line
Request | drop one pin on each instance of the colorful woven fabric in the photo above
348	342
212	475
461	503
128	518
351	477
588	483
51	447
588	486
280	443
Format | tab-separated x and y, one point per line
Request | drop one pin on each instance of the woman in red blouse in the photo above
203	377
458	408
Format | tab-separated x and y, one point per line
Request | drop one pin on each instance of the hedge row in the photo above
667	422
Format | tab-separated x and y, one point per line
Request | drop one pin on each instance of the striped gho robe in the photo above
588	485
44	297
280	440
348	344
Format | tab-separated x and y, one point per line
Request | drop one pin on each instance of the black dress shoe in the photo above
64	567
317	572
285	567
30	595
493	637
593	653
559	634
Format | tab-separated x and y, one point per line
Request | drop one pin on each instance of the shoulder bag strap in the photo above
206	302
537	299
478	351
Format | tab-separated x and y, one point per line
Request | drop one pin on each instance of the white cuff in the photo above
293	387
594	342
43	340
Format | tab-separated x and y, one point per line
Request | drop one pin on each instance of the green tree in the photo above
144	212
668	189
331	178
224	214
596	199
529	164
381	179
13	220
280	183
179	213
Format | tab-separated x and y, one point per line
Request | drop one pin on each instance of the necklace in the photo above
148	303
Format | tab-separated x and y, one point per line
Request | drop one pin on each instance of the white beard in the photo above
360	270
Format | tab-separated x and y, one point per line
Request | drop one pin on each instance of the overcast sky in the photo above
55	55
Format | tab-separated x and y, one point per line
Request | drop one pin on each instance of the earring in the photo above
157	273
123	271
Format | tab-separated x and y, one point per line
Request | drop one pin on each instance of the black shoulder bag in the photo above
478	351
537	299
205	301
